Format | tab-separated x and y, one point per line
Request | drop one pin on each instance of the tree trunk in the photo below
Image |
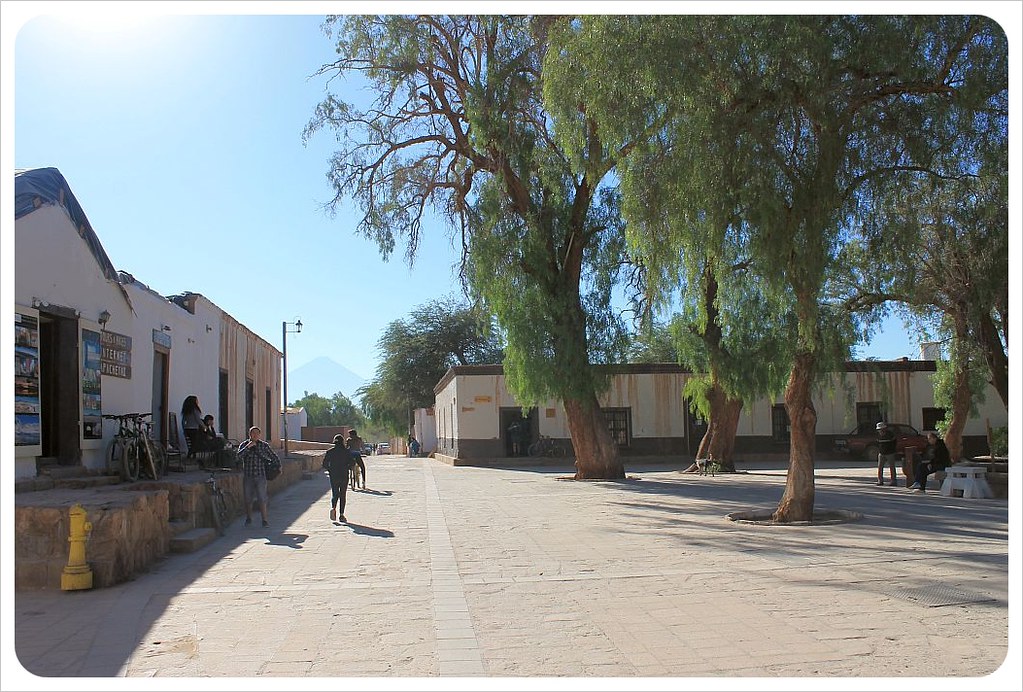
718	442
596	455
994	354
797	501
961	399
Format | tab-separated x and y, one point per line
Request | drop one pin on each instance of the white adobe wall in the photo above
68	277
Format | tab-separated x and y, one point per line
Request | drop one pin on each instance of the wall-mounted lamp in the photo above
104	317
165	328
208	329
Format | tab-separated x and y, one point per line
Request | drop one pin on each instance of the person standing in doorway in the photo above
254	454
191	421
885	452
338	464
355	449
515	437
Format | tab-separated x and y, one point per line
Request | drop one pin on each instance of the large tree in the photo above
457	124
416	351
817	120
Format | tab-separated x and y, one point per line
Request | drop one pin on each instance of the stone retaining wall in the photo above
131	527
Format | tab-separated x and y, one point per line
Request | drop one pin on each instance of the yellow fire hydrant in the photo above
77	574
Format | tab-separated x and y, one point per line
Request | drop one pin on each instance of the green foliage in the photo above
416	352
458	125
961	354
338	410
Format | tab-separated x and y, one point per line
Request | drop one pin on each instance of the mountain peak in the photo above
325	377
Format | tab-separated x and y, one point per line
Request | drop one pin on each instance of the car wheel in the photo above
871	452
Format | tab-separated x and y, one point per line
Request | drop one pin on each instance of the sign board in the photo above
115	355
161	337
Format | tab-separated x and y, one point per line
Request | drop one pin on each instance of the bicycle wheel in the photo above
115	454
218	507
159	458
149	460
535	449
130	461
558	450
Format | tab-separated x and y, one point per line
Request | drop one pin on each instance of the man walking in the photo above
338	463
255	454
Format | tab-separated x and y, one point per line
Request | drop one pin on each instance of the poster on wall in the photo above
26	379
92	409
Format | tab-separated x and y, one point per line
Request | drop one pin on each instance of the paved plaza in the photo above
472	578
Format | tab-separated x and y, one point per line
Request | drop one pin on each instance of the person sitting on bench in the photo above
938	460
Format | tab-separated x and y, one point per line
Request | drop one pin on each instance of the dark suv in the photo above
863	440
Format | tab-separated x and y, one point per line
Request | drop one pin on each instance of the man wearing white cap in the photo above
885	452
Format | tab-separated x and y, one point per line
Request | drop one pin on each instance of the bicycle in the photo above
123	455
218	502
546	447
157	462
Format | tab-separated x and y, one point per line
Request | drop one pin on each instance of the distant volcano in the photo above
324	377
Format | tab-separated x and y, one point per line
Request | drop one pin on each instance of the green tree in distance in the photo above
417	351
458	125
337	410
817	120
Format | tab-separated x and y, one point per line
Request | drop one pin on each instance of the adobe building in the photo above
90	341
649	416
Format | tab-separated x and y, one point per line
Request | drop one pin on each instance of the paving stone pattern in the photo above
460	572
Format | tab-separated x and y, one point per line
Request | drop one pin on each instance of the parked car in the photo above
367	449
384	448
862	440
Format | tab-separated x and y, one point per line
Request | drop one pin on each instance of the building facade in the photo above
648	415
92	341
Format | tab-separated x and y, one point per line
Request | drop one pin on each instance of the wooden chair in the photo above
172	450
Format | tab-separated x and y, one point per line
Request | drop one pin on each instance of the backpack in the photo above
273	469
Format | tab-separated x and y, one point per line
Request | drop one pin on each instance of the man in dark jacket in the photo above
338	463
885	452
939	461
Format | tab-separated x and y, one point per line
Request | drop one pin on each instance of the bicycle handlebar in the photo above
126	416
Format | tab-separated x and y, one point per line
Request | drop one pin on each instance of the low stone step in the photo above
179	526
191	540
85	481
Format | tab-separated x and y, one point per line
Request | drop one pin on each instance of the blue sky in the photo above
181	138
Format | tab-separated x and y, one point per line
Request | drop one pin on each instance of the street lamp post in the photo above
297	324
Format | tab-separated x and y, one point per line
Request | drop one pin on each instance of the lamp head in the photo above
298	325
104	317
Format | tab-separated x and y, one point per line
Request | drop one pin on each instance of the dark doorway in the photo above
161	382
250	395
696	428
269	416
223	426
59	387
515	426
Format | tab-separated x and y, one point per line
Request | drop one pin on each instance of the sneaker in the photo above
333	514
915	486
343	520
893	483
920	490
266	524
879	483
248	521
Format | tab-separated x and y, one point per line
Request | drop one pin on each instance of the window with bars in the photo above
779	423
618	423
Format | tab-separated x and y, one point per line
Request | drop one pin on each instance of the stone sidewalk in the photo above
462	572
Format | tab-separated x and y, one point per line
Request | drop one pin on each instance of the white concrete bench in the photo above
968	480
